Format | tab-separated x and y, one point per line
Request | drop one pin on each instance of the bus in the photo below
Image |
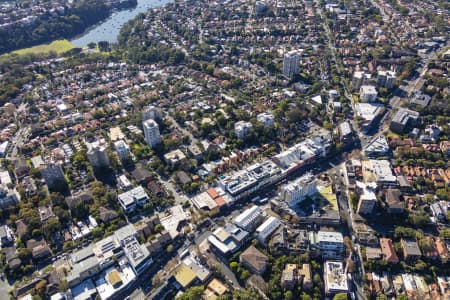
184	253
256	199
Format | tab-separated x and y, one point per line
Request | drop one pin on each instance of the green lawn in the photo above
58	46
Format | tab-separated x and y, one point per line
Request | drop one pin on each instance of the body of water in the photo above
109	29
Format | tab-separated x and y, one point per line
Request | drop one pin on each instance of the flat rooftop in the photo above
330	236
368	111
249	177
135	252
335	279
106	288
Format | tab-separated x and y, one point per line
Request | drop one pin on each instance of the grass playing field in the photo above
59	46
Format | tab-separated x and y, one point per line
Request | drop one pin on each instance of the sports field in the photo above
59	46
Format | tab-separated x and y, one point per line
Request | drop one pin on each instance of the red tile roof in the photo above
388	250
212	193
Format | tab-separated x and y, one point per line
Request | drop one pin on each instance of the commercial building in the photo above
204	201
131	199
379	171
254	260
245	182
122	149
83	264
242	129
303	153
227	240
114	279
291	63
377	147
329	244
295	192
265	230
368	93
335	278
210	199
386	79
266	118
97	155
151	132
249	219
404	119
200	270
84	290
368	113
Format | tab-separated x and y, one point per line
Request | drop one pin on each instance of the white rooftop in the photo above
329	236
248	216
335	278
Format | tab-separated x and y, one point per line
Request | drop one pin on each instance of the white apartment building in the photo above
131	199
122	149
367	198
330	244
97	155
242	129
266	118
335	278
264	231
359	78
386	79
291	63
151	132
249	219
368	93
295	192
